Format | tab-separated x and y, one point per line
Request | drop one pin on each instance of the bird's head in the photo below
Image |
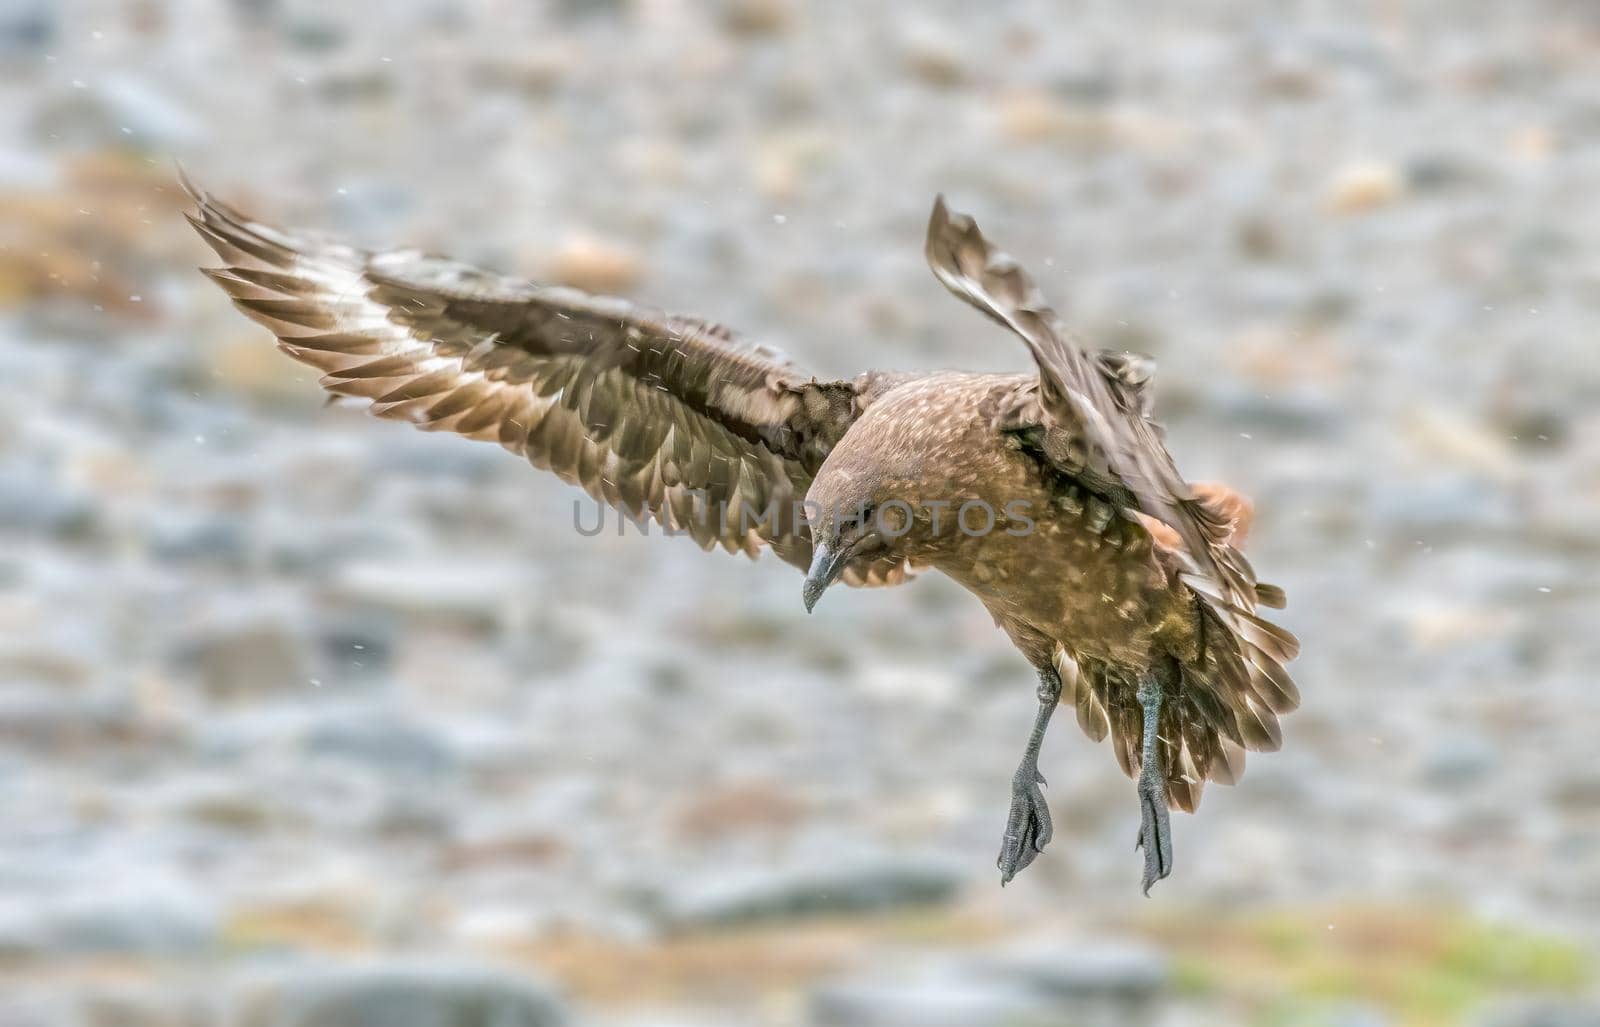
856	511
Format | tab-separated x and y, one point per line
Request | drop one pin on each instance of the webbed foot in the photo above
1155	830
1028	828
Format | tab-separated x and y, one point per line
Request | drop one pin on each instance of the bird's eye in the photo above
858	519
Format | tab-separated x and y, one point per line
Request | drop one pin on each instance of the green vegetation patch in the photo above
1420	966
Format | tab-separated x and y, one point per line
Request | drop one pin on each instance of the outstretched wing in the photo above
1088	416
1099	402
662	417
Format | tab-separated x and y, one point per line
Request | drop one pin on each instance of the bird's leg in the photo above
1028	826
1155	831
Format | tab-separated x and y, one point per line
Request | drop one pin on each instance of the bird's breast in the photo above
1080	574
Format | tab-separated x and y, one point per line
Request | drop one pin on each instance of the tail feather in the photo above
1225	698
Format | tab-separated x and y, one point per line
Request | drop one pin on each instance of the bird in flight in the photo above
1050	496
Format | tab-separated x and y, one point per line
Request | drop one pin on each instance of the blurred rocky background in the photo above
312	721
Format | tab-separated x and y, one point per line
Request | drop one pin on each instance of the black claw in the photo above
1155	825
1155	835
1028	830
1028	827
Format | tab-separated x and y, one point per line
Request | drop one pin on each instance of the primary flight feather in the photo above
1123	584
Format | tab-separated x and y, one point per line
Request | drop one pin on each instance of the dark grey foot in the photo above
1155	830
1028	827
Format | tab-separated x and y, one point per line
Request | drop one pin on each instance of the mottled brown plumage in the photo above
1121	583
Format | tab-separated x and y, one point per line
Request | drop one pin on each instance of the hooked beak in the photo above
826	566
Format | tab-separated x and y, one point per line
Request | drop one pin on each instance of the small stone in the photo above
1578	791
1259	237
786	161
590	8
931	1001
1531	143
315	35
1033	116
65	661
385	743
146	918
765	894
475	591
27	27
182	537
756	17
40	720
133	1006
1290	78
242	654
588	263
934	57
231	810
1441	170
1097	969
1459	759
406	994
1543	1013
356	84
1090	85
1364	186
358	644
753	808
533	73
40	503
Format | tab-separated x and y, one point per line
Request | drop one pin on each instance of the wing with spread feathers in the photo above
1088	416
1097	399
667	418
